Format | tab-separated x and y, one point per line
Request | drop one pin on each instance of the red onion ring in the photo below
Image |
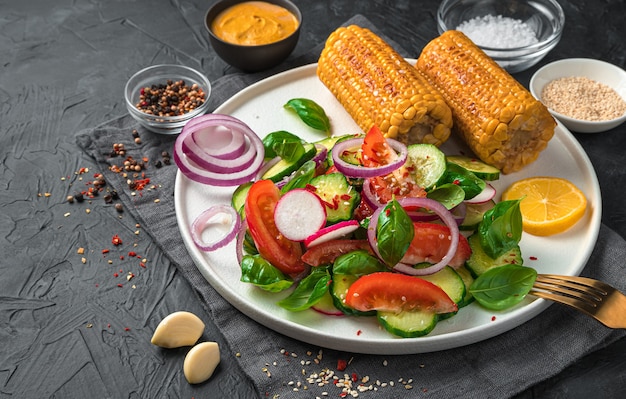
200	223
359	171
233	148
232	177
241	236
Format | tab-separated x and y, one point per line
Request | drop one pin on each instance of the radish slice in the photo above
207	218
326	306
332	232
488	193
299	213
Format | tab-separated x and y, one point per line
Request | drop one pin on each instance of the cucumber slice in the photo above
474	214
479	262
239	196
340	198
476	166
338	289
408	324
448	280
468	279
284	168
326	306
426	163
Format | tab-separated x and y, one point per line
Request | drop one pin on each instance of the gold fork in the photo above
595	298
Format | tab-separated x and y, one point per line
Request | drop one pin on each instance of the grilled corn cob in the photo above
497	117
379	87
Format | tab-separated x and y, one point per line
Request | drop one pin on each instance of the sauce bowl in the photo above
252	58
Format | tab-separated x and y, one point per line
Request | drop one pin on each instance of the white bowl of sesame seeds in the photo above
586	95
517	34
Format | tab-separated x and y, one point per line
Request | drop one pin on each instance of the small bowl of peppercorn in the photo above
163	98
516	34
586	95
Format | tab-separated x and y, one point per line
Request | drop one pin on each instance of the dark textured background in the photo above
66	328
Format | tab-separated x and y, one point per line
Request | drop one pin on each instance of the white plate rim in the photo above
185	195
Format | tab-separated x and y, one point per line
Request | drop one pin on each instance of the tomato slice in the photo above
399	184
430	244
395	292
271	244
375	149
326	252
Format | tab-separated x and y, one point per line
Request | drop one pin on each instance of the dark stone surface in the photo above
66	328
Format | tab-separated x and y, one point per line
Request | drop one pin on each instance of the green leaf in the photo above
283	144
501	228
309	291
357	263
311	113
394	233
449	195
504	286
471	185
258	271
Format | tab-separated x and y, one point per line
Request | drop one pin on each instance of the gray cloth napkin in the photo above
280	366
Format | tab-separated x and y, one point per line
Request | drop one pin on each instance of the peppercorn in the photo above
119	207
79	197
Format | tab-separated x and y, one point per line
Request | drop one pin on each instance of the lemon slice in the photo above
550	205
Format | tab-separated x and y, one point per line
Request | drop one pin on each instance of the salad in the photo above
362	225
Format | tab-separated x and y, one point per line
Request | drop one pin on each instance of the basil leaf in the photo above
468	181
501	228
258	271
449	195
311	113
394	233
504	286
283	144
309	291
357	263
301	177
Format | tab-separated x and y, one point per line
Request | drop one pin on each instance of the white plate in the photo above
261	107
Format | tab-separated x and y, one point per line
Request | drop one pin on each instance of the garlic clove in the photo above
178	329
201	361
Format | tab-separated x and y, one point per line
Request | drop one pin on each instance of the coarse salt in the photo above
498	32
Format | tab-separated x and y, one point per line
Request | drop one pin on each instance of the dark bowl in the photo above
252	58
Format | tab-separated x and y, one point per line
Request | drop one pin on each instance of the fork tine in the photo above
602	287
575	303
573	287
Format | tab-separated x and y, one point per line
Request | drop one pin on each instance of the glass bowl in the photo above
596	70
492	24
160	75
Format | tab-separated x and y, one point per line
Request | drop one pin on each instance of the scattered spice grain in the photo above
583	98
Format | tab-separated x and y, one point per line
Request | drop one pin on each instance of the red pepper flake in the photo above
359	332
116	240
342	364
115	275
132	254
105	251
456	181
121	257
533	258
126	329
109	325
354	377
142	264
493	318
140	184
120	285
343	394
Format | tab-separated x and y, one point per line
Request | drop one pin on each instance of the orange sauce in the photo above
254	22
